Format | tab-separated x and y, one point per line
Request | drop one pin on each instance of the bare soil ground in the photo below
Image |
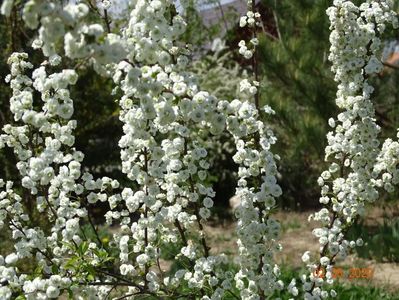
296	238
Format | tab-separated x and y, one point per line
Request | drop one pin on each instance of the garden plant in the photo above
169	126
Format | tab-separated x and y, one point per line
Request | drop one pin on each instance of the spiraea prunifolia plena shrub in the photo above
165	115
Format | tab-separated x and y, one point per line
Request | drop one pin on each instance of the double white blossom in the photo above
353	150
257	186
50	169
165	117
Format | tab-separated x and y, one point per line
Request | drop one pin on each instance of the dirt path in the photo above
296	238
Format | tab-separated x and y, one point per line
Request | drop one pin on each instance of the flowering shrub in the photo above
358	166
165	117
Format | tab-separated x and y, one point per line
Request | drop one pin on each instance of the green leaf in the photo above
72	263
54	269
70	294
83	247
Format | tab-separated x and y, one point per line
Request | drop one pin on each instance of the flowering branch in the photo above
165	116
353	148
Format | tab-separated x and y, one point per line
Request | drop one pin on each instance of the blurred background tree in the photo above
298	84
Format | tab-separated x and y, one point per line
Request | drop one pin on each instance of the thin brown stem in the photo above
389	65
104	17
181	232
277	25
51	207
205	247
37	249
255	67
119	277
146	268
226	27
107	21
93	227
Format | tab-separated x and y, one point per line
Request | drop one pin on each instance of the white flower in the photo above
208	202
11	259
292	289
126	269
142	259
243	21
5	292
6	7
324	261
333	293
305	256
52	292
106	4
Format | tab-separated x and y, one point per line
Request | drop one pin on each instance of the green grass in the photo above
381	242
290	225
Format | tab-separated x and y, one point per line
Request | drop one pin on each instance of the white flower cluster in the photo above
164	116
50	171
257	186
353	147
67	30
387	165
161	110
253	21
160	100
6	7
257	189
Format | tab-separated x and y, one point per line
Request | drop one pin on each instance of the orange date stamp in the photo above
351	273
